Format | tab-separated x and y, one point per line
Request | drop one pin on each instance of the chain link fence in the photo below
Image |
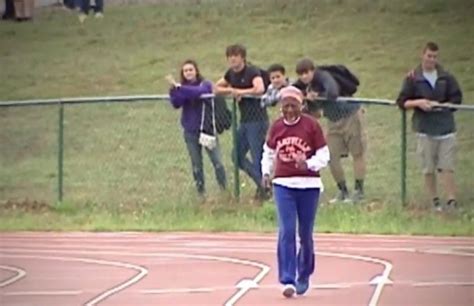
134	152
113	153
28	153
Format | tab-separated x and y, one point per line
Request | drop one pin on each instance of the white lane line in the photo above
264	268
442	284
43	293
383	278
447	252
256	248
328	286
237	237
242	290
336	286
20	273
378	279
333	286
182	290
141	271
212	246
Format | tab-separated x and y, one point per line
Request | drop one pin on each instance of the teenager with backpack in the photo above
346	132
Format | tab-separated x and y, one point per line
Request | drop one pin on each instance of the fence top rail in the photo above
137	98
79	100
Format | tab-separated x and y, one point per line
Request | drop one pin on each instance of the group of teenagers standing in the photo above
346	129
287	156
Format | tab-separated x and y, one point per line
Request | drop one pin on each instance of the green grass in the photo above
354	219
126	167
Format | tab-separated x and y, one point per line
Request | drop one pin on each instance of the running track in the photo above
47	269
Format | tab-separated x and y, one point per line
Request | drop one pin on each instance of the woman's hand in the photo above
169	78
300	159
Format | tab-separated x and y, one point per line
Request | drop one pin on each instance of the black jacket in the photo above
439	121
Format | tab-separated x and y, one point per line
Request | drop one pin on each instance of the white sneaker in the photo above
82	17
288	291
99	15
341	197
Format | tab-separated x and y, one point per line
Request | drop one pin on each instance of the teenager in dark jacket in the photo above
428	85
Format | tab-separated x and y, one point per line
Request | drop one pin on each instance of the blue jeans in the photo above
195	153
85	6
70	4
251	137
295	205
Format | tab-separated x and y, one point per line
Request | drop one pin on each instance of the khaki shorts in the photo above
436	154
348	135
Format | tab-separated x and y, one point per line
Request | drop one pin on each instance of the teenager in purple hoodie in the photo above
186	95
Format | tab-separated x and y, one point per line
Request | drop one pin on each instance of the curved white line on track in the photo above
384	277
264	268
20	273
142	272
43	293
184	238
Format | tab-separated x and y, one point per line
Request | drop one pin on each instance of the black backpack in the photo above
265	77
346	80
264	74
222	113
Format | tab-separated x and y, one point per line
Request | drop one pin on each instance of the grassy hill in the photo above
126	166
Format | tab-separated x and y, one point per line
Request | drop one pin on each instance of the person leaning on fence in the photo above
242	79
294	153
9	12
85	6
346	127
185	95
24	9
426	86
278	81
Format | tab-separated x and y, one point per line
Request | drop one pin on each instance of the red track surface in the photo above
229	269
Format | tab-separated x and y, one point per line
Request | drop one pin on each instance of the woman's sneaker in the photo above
302	287
451	205
288	291
437	205
341	197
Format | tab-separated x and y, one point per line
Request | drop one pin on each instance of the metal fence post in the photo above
404	157
60	151
235	139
